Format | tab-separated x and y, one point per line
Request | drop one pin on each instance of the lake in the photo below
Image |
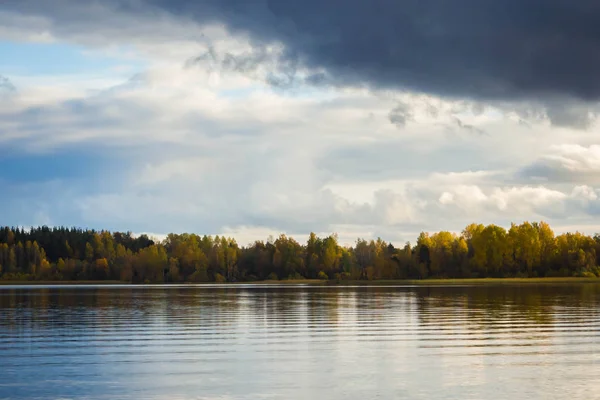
300	342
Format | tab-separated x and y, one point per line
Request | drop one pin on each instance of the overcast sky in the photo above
257	117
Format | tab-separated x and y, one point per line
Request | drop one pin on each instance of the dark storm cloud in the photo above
570	115
485	49
478	49
481	49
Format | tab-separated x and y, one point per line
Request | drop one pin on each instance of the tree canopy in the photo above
525	250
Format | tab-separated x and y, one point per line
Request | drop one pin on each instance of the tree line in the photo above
524	250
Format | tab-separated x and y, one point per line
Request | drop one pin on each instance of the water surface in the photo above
284	342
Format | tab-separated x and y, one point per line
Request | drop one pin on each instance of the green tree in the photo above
89	252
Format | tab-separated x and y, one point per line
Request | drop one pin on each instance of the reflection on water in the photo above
270	342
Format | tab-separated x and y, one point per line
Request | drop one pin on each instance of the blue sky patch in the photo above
65	166
26	58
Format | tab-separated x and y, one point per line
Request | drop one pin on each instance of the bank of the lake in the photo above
87	282
319	282
73	254
112	282
475	281
429	282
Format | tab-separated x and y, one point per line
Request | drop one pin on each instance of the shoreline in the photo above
471	281
317	282
40	283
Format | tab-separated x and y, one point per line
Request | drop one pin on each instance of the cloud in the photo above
265	63
467	127
505	204
546	61
567	163
467	48
400	115
217	158
150	108
471	48
6	86
570	114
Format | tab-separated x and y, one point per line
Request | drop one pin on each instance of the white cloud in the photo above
566	163
446	198
576	158
584	192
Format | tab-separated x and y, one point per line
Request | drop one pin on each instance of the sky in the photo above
252	118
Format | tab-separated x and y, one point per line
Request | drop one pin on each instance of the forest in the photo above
71	254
